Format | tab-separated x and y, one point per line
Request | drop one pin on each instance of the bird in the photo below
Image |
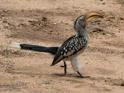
70	48
76	44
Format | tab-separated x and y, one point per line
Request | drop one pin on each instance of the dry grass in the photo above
7	52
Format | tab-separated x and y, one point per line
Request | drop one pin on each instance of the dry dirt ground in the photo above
49	23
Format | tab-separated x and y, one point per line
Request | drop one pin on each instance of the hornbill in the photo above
72	47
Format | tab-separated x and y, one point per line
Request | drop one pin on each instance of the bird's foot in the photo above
80	75
62	66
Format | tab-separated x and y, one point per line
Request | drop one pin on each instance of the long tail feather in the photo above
51	50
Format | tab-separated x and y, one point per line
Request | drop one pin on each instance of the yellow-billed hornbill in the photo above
72	47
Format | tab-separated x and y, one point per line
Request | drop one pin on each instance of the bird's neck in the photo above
81	31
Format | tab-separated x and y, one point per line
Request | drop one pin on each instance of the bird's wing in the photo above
70	47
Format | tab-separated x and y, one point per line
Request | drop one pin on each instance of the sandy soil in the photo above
49	23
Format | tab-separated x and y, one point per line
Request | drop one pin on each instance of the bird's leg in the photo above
76	66
65	68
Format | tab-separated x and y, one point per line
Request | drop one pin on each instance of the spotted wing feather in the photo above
70	47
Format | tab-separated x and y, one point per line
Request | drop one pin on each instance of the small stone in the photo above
103	3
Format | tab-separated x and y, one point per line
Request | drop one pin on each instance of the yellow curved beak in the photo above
91	15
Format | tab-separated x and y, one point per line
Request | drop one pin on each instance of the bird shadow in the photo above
69	75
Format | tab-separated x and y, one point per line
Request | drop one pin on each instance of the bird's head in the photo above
84	19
